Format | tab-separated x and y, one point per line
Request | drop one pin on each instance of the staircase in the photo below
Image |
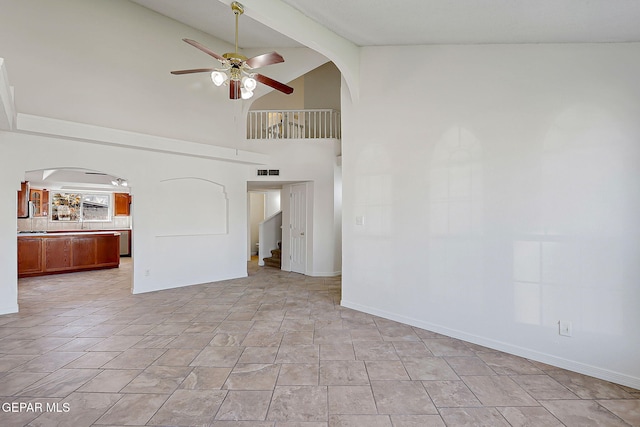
275	259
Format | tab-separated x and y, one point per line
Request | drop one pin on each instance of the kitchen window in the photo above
81	207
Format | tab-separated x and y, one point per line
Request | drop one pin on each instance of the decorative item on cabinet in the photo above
122	202
40	200
23	200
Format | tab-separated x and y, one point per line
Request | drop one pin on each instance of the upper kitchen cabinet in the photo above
122	203
23	200
40	201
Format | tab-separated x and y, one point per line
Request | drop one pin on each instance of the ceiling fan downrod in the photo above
238	9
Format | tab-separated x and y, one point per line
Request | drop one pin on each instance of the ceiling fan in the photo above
236	70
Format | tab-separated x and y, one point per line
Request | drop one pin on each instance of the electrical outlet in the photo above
565	328
147	272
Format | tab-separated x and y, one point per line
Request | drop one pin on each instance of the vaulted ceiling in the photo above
412	22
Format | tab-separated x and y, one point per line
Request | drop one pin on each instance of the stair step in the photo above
271	262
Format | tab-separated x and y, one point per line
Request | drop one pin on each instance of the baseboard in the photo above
549	359
325	274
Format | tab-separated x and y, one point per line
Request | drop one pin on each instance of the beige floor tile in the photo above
450	394
83	410
298	354
218	357
49	362
252	377
351	400
473	417
337	352
133	409
343	372
417	421
310	403
429	369
258	355
386	370
177	357
135	358
627	410
60	383
469	365
297	338
23	418
14	382
93	359
588	387
262	339
498	391
245	405
529	416
189	408
298	374
582	413
402	398
110	381
371	350
359	421
158	379
506	364
543	387
205	378
11	361
281	350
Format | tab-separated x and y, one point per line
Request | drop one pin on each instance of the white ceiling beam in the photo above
7	104
292	23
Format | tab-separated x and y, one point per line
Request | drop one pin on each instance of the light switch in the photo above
359	220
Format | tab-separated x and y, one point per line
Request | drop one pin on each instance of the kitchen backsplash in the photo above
43	224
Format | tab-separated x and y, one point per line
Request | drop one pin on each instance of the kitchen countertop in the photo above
64	233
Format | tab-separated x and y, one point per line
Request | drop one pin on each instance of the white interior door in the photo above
298	227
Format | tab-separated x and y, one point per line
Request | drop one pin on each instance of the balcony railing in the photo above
293	124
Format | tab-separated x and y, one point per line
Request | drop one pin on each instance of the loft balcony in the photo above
293	124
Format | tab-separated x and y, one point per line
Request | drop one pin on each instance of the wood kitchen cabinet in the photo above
23	200
66	252
122	203
40	200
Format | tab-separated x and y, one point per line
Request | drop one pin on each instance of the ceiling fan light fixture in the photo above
245	93
236	69
218	78
249	83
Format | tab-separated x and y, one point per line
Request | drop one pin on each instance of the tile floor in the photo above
274	349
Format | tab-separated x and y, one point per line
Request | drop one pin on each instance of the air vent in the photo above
274	171
263	172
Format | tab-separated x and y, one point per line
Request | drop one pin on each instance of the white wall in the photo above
308	161
256	215
161	259
108	63
499	189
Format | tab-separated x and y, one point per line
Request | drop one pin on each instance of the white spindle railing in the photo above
293	124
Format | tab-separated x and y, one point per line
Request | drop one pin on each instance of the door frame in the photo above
286	226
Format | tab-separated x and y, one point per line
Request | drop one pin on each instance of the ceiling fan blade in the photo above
204	49
274	84
196	70
234	89
264	60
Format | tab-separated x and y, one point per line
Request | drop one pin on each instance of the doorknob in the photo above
302	233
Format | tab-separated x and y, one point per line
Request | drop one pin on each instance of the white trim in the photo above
7	100
572	365
115	137
325	274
